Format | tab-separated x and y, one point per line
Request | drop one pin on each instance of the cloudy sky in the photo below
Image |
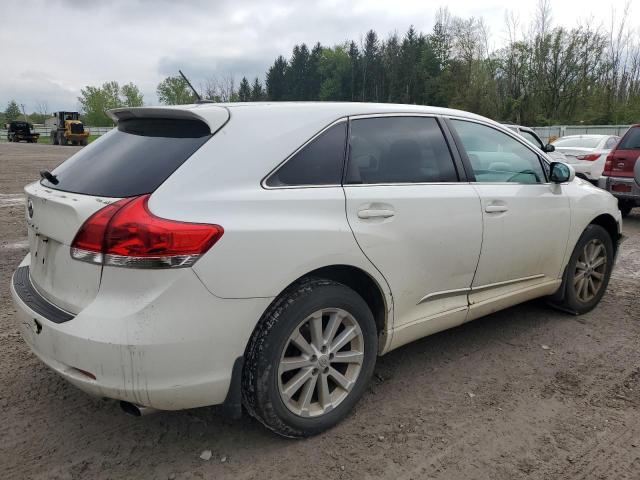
51	49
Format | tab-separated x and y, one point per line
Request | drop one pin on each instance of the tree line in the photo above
542	75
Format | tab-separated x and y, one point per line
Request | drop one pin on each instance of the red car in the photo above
617	177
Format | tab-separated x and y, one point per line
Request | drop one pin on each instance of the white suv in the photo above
265	254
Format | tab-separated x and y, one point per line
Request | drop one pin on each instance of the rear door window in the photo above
399	150
319	162
132	159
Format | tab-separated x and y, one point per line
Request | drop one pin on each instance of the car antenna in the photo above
199	99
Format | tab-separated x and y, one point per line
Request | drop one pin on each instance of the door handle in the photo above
495	208
375	213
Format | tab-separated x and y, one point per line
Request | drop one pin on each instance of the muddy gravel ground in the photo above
528	392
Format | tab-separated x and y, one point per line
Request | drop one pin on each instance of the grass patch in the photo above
46	139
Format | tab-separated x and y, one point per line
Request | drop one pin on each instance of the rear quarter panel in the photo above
272	236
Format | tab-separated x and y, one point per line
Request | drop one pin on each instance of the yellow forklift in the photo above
69	130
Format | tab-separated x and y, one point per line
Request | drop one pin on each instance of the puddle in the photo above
11	199
22	245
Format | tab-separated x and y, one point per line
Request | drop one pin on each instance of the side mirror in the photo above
549	148
561	172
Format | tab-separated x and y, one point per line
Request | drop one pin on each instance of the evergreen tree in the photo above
314	78
371	68
276	81
12	112
257	93
244	92
296	73
356	78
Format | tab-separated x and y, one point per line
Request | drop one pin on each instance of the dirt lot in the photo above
485	400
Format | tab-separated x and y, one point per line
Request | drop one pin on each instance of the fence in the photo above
45	132
544	132
562	130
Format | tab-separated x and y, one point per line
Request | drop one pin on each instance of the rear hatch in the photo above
131	160
621	161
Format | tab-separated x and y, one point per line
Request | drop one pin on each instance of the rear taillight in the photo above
126	234
608	165
591	157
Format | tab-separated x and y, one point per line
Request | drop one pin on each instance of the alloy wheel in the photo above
321	362
590	271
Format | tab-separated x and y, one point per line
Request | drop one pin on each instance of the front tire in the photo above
310	358
587	274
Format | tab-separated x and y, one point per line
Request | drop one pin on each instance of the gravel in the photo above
483	400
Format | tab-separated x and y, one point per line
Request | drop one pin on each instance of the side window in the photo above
399	150
496	157
318	163
611	142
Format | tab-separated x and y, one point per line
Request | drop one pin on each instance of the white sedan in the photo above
266	254
586	153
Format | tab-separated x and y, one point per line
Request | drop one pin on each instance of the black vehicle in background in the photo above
19	131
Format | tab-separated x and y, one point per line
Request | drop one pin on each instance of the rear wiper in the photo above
47	175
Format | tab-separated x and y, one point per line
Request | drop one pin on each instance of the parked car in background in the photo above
618	174
268	254
530	135
586	153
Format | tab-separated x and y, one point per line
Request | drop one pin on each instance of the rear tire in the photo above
306	326
587	274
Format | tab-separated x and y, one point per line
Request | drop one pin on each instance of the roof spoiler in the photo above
215	117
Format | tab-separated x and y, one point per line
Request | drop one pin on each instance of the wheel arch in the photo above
609	223
364	284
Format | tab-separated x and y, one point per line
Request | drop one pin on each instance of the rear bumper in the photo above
168	348
624	188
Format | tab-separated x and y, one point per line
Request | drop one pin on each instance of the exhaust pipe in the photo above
136	410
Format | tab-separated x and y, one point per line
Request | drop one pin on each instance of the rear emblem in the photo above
30	208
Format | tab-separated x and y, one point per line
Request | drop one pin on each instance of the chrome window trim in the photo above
263	182
393	114
401	184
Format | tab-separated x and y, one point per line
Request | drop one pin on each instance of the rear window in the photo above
579	142
631	140
133	159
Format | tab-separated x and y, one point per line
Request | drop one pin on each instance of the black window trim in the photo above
453	150
467	163
533	134
263	182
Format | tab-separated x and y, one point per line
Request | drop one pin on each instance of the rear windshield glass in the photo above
131	160
631	141
579	142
